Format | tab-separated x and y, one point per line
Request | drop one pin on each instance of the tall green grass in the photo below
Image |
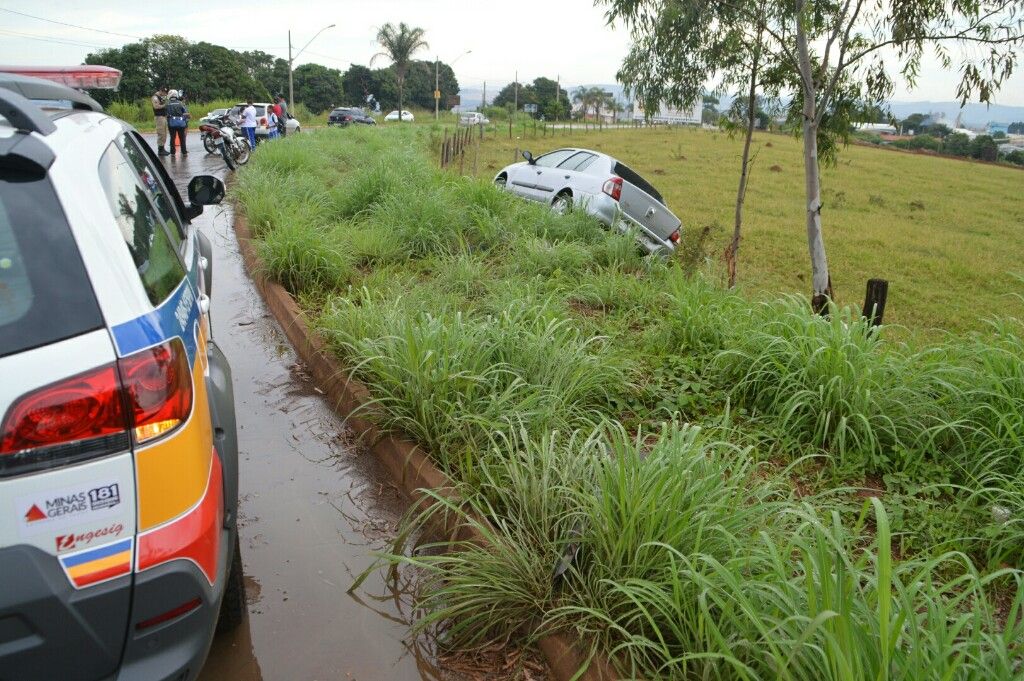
538	357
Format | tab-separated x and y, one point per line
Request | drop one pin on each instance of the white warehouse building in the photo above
666	114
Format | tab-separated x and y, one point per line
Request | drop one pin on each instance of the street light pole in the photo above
437	82
291	61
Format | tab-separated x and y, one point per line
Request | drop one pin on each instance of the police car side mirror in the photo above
205	190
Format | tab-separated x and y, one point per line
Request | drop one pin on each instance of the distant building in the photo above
993	128
686	116
877	128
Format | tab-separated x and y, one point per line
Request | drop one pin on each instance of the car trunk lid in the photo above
640	201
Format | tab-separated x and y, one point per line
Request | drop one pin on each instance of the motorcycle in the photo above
222	136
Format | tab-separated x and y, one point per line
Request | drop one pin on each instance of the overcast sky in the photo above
536	37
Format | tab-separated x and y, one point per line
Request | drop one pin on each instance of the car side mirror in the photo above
529	157
205	190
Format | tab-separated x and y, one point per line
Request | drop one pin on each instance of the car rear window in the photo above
631	176
45	294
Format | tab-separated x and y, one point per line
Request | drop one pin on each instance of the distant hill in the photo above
974	114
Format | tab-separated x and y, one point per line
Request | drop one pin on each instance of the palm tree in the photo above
581	96
399	45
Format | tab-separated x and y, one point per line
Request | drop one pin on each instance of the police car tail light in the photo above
158	387
78	410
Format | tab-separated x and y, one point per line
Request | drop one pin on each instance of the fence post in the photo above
444	147
515	155
510	127
874	301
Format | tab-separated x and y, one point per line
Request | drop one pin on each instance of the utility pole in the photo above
515	106
483	104
558	95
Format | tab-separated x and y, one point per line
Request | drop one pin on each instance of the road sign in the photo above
529	108
437	94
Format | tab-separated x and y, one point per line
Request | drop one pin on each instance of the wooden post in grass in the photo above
515	155
444	147
874	301
510	127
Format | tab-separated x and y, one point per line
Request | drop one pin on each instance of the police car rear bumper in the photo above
173	650
50	630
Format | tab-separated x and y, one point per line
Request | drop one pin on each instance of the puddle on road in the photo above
314	506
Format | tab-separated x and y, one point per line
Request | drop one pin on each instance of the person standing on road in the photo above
249	122
159	101
283	115
177	121
272	121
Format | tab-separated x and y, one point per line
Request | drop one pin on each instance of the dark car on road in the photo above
343	116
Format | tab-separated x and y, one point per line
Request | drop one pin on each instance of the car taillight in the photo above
674	237
148	394
613	187
348	118
158	388
86	406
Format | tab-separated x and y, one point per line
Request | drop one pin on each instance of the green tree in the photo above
1016	128
551	99
999	135
267	70
1016	157
983	147
318	87
695	44
840	54
216	72
399	44
358	83
913	122
957	144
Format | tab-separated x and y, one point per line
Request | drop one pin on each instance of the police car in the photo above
118	453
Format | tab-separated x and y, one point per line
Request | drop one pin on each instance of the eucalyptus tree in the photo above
697	41
834	55
399	44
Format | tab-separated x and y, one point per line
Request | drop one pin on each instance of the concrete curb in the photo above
406	462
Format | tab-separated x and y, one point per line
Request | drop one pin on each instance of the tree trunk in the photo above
820	280
733	249
400	99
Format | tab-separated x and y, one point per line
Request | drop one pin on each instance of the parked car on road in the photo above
261	118
605	188
473	118
344	115
213	115
118	453
406	116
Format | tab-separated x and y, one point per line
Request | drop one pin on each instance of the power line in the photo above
63	23
58	41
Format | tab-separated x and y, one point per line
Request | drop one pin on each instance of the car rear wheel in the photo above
562	203
232	606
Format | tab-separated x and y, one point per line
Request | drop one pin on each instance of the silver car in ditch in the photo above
602	186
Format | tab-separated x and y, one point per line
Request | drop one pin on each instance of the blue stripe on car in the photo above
95	554
176	316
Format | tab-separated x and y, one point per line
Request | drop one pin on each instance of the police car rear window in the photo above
45	294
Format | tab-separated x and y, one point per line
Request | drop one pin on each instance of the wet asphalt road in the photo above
313	506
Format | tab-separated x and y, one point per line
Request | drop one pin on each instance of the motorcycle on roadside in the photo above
221	135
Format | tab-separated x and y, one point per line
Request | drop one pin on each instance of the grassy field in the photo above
744	490
946	234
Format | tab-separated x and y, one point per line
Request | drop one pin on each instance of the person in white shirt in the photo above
249	123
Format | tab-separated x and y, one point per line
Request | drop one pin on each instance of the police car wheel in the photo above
232	607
